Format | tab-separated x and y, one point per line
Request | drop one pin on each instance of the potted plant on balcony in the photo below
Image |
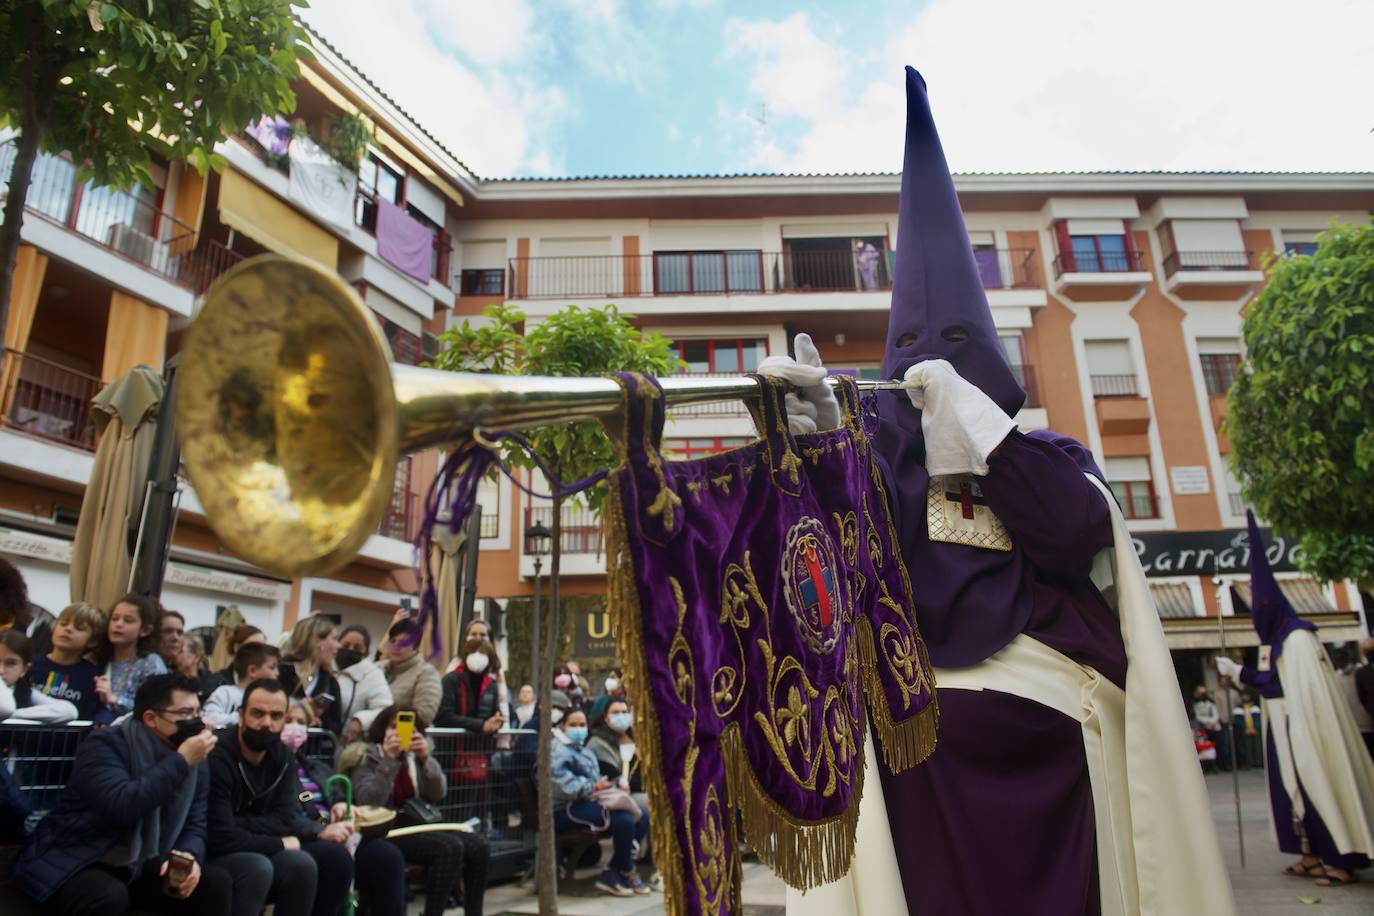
349	137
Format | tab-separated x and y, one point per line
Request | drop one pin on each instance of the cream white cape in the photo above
1319	747
1158	853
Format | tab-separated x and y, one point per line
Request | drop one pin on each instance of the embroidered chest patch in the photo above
1266	658
811	585
958	513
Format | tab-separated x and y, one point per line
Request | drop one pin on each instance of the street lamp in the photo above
537	546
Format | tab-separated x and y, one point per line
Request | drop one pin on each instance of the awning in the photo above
1173	599
274	224
1303	593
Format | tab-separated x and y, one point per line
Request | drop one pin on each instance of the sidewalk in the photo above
1261	888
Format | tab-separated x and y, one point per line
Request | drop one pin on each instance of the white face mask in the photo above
612	684
476	662
556	715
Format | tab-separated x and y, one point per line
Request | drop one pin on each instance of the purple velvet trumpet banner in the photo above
760	600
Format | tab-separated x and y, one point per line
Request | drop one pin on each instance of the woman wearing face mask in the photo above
471	692
378	865
583	798
566	680
612	740
362	684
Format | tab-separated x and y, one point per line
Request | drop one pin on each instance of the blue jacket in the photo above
575	772
14	808
100	806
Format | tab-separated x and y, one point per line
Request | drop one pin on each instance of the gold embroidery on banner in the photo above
695	487
809	554
723	481
791	464
667	502
815	453
748	471
873	540
848	526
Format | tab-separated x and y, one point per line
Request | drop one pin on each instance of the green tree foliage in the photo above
103	79
1301	415
576	342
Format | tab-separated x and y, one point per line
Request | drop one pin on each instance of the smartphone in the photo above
179	865
405	606
405	728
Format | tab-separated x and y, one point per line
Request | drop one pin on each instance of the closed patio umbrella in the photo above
445	561
125	413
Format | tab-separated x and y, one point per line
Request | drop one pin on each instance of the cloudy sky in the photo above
607	87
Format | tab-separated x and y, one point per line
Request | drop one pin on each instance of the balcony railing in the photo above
716	273
47	399
129	224
401	520
1139	506
1236	502
1103	262
581	527
491	525
1207	260
1115	386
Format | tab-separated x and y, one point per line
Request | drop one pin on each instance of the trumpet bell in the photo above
287	415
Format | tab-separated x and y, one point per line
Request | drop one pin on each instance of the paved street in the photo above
1261	888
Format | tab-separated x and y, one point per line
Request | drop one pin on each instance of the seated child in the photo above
18	699
65	673
253	661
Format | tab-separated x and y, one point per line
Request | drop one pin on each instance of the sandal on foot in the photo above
1305	871
1333	881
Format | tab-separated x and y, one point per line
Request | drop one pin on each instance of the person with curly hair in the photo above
16	611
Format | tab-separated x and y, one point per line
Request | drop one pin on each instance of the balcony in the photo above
581	533
1211	275
47	399
729	273
402	519
1101	276
1115	386
127	223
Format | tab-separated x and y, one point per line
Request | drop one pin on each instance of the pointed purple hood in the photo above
1271	614
939	309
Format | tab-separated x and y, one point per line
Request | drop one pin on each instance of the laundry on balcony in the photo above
321	186
403	241
273	134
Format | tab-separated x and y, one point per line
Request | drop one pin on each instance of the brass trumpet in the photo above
292	416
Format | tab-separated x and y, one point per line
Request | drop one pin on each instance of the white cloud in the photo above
497	123
486	32
1176	84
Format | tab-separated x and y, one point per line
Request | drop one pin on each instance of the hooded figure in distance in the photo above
1321	781
1038	798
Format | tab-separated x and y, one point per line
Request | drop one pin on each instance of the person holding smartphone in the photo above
129	829
307	669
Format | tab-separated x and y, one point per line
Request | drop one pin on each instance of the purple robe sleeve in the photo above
1266	682
1035	485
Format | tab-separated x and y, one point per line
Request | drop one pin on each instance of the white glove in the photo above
1227	667
961	424
816	409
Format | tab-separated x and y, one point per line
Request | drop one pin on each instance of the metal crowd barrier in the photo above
490	783
490	777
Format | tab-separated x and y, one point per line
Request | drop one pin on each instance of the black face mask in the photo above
261	739
347	658
186	728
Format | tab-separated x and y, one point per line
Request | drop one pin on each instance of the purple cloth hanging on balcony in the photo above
403	241
273	133
989	271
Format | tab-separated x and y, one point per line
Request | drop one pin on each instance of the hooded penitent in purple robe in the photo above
1275	620
1000	819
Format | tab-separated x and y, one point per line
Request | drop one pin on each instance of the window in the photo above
731	357
1097	253
687	449
708	271
1111	368
1220	358
484	282
378	177
1133	487
405	346
1300	241
1300	248
1205	244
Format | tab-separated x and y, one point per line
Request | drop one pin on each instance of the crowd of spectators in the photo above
194	792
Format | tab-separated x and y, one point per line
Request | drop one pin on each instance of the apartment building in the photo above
1118	298
109	279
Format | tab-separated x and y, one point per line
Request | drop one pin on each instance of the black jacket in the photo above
332	717
253	807
458	708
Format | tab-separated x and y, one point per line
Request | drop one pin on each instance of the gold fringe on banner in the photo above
905	743
805	854
623	607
